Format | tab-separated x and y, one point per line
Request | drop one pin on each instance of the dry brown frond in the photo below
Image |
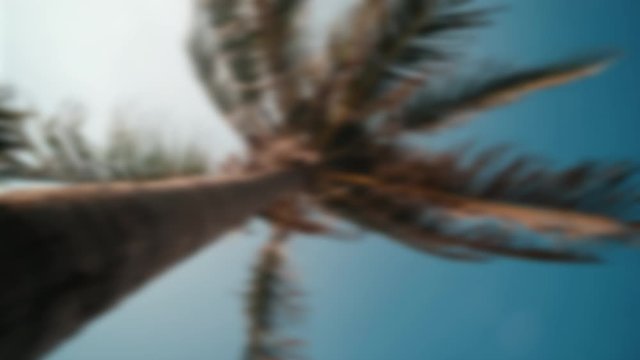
404	220
589	187
433	111
563	222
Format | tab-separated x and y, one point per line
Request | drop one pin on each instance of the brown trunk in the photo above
69	254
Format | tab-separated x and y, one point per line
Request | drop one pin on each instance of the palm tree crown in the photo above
352	104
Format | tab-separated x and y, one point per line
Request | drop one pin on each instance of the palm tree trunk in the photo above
69	254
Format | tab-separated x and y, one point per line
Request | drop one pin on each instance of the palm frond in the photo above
8	137
590	187
247	53
586	201
12	139
436	109
568	223
223	50
271	299
395	44
410	222
128	156
204	52
57	149
280	39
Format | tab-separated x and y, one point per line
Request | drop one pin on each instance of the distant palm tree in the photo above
336	121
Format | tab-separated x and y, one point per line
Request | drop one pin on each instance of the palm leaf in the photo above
586	201
395	42
589	187
270	299
9	139
280	39
12	138
543	220
247	54
432	110
223	49
57	149
404	220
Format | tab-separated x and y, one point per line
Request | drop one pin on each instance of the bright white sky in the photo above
109	55
112	55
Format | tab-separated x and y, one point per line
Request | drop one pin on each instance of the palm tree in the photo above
69	253
324	134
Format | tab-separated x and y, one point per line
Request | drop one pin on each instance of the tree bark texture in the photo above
69	254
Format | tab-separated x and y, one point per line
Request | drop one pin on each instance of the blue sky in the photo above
373	299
